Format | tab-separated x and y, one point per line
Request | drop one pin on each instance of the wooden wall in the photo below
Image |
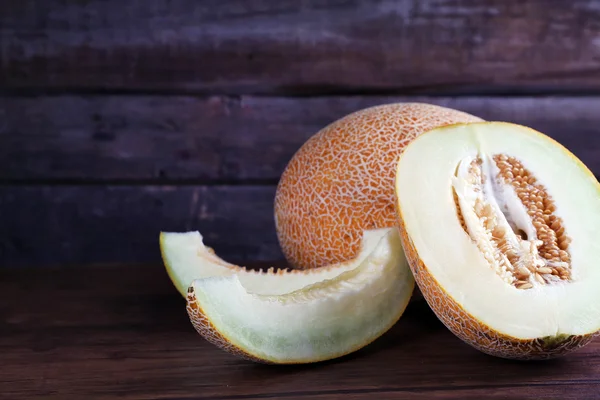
121	119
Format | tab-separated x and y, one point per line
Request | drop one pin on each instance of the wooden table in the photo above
121	332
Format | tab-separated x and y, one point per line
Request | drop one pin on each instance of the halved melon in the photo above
292	316
501	226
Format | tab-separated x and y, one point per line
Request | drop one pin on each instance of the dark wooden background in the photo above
120	119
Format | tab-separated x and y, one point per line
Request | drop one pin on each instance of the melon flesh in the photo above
293	316
474	298
186	258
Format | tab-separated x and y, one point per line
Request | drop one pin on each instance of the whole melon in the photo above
340	183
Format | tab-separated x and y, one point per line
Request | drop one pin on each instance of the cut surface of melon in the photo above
293	316
186	258
501	225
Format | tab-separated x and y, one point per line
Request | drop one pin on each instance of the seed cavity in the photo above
510	217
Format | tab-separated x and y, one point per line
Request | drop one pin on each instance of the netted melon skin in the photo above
475	333
340	182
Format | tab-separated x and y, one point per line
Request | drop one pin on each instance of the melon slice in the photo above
501	226
186	258
292	316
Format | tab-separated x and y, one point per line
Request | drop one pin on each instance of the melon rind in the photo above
464	325
321	321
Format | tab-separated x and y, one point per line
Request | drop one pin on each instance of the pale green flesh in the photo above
320	321
187	258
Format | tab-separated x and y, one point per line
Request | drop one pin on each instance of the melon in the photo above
291	316
340	183
335	220
500	225
187	258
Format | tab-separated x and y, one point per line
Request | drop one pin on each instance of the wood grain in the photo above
74	225
163	139
122	331
313	46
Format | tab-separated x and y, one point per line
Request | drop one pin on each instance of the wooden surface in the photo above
118	120
225	140
121	331
122	119
88	179
74	224
313	46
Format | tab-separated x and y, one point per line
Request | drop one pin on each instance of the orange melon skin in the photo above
475	333
340	182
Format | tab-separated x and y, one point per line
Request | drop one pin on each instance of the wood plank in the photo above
52	225
222	139
304	47
106	332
